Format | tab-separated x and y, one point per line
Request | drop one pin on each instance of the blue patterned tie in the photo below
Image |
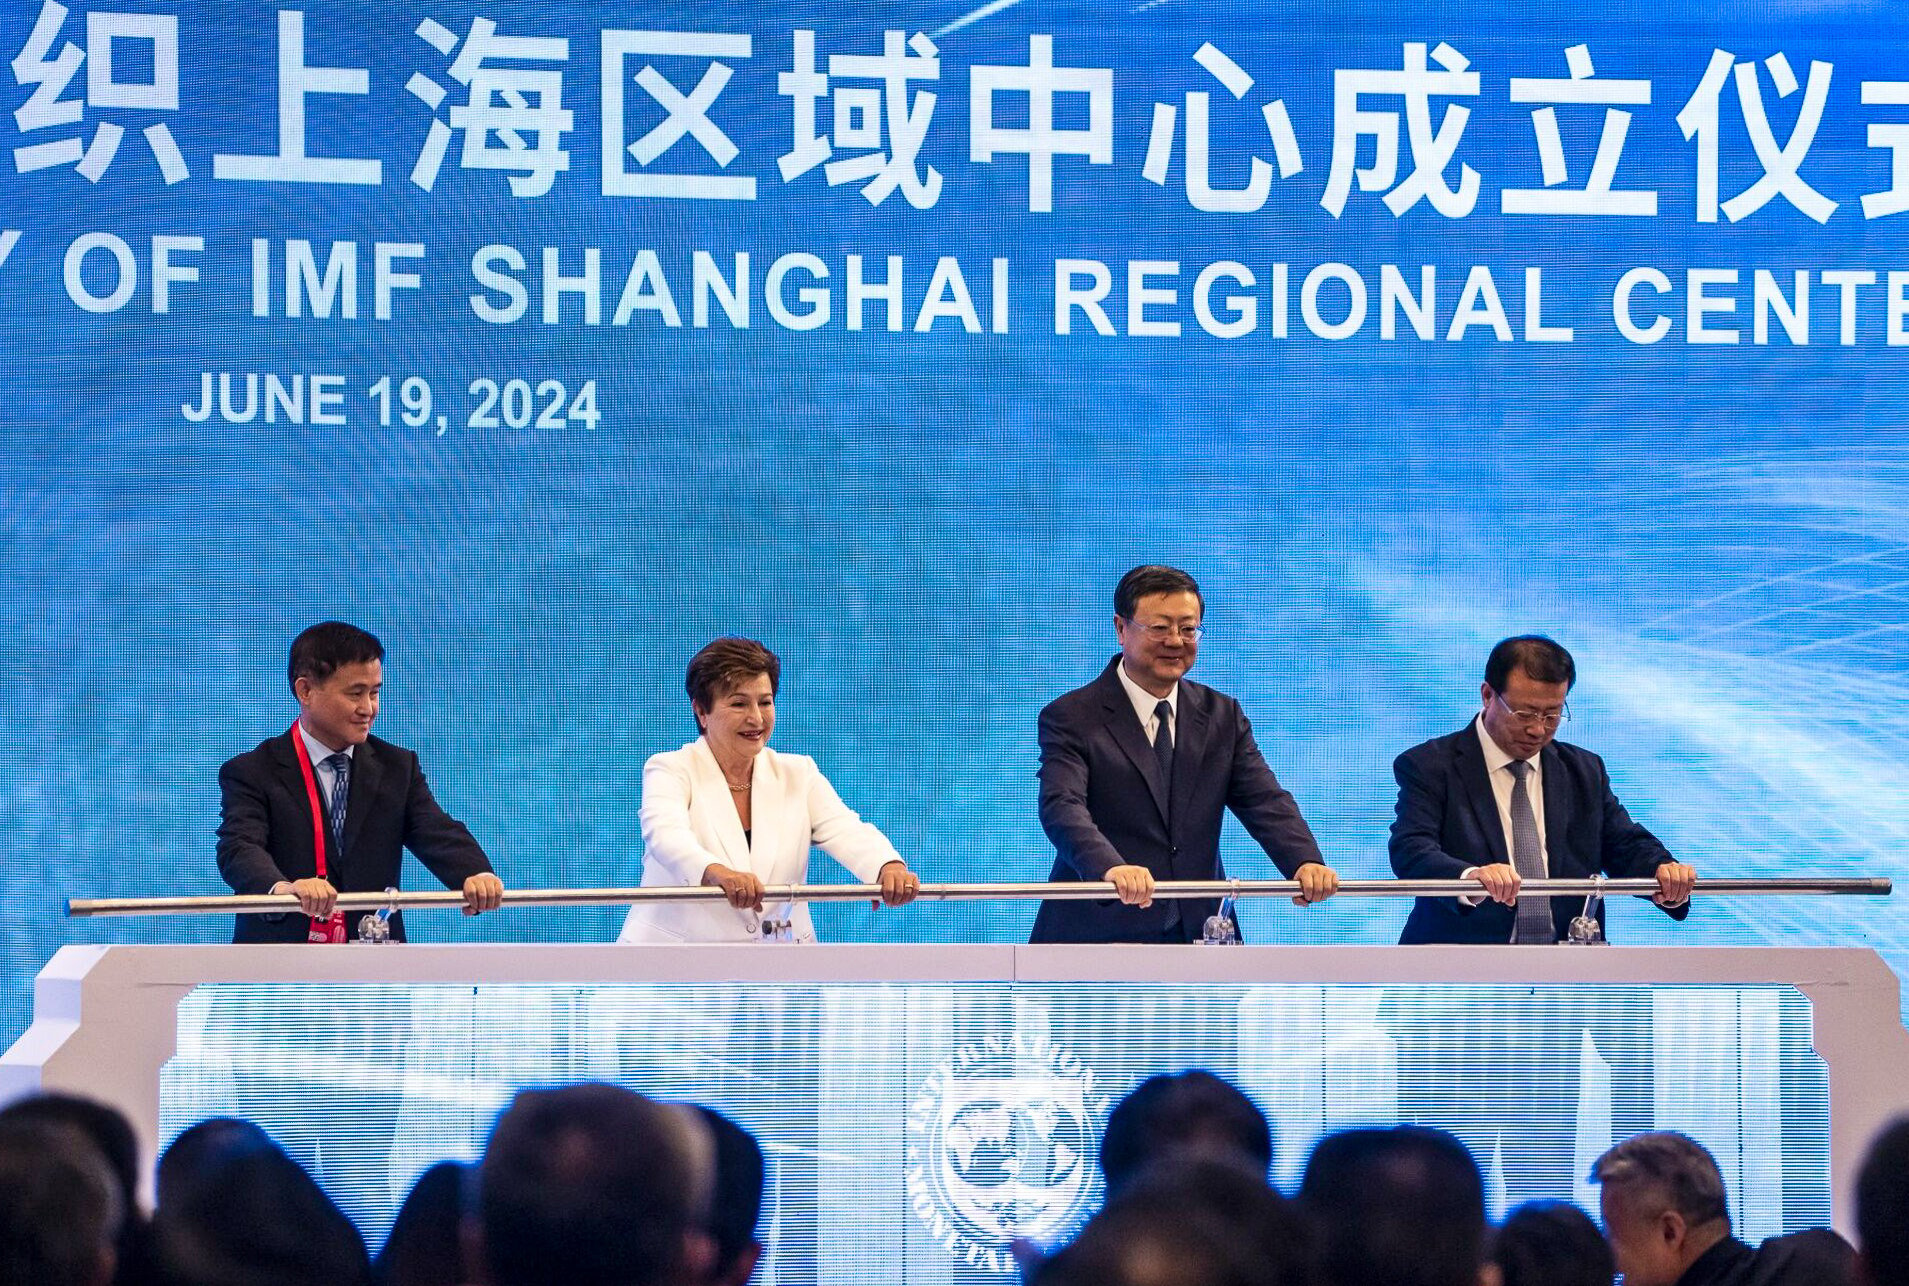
1527	857
340	765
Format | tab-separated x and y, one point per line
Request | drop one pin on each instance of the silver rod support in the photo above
1070	891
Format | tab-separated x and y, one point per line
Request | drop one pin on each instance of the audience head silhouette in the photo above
1404	1206
736	1205
108	1130
1193	1218
1551	1243
1179	1113
234	1210
60	1206
425	1247
1882	1208
594	1185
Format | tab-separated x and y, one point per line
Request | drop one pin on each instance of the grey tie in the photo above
340	765
1527	857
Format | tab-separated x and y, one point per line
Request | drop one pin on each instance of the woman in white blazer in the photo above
725	810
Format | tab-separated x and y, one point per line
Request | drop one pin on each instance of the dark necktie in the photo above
340	765
1163	754
1163	741
1527	858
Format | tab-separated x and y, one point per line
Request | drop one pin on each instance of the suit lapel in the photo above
1190	745
765	815
1477	779
285	755
713	796
1557	814
367	770
1124	724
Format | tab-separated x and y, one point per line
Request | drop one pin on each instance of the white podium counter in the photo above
957	1093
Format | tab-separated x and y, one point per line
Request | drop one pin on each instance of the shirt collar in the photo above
318	750
1495	756
1144	702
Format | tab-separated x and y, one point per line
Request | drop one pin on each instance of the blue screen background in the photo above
927	526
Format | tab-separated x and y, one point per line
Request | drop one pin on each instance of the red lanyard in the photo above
333	929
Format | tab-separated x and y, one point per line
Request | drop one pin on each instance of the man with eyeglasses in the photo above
1138	770
1501	802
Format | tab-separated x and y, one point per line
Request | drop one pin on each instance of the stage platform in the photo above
922	1105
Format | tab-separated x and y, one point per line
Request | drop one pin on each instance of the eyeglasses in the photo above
1161	631
1545	718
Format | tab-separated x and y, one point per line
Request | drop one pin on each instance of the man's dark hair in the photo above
109	1131
592	1185
1543	659
1153	578
425	1247
321	649
245	1214
107	1128
200	1150
1183	1112
1882	1207
736	1203
1552	1243
1207	1219
60	1209
1404	1206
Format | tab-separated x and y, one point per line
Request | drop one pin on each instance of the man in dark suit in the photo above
1500	801
1138	769
1667	1218
268	837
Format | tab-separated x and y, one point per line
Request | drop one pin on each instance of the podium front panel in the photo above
913	1129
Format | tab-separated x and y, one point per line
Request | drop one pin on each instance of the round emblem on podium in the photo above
1001	1144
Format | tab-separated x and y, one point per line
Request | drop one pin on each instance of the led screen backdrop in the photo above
549	341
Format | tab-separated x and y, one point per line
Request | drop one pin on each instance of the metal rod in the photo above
1071	891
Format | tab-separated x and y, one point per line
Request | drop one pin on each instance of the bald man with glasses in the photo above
1502	801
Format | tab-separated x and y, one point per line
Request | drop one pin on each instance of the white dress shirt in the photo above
319	751
1497	769
1145	704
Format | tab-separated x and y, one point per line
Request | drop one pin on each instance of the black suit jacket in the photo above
1103	805
1813	1257
265	831
1447	821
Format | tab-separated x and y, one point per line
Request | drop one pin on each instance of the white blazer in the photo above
689	821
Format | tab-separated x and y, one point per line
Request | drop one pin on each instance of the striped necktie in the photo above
340	765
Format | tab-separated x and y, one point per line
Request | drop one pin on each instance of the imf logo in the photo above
1001	1143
